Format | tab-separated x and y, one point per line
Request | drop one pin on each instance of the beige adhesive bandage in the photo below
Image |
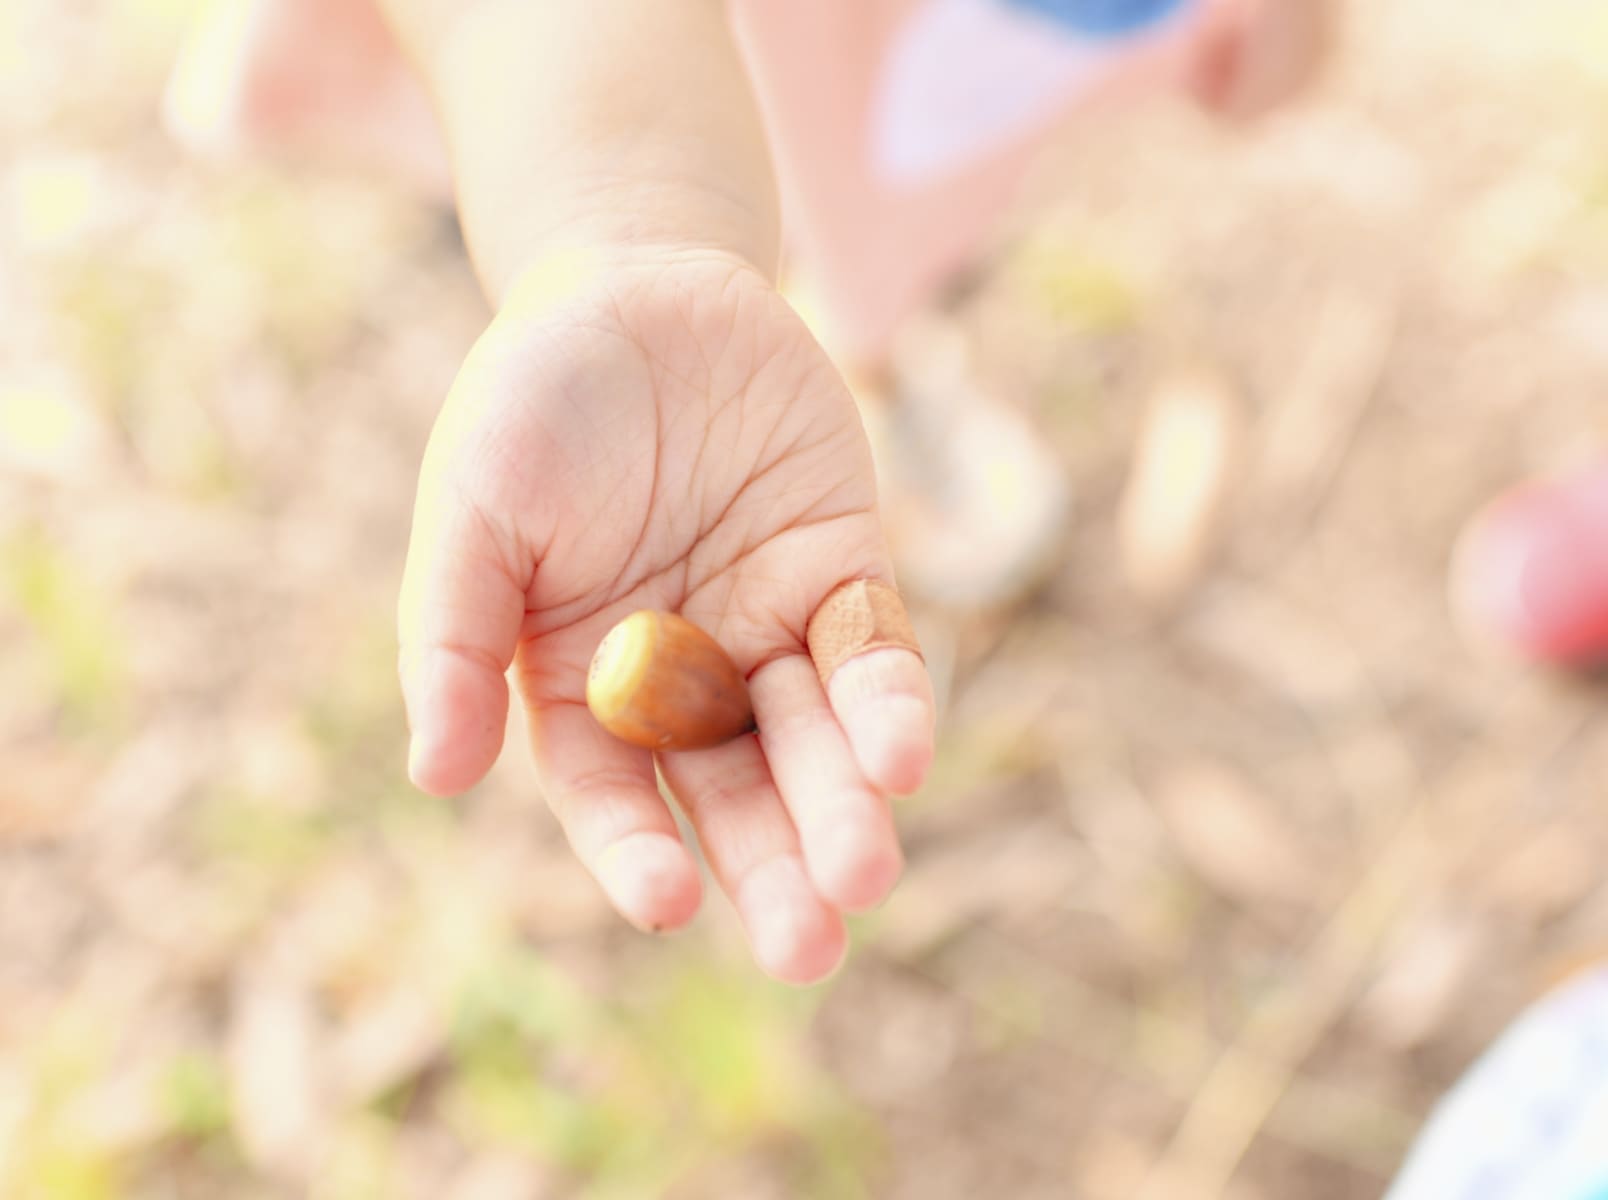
854	619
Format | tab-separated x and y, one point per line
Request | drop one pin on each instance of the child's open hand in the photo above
663	432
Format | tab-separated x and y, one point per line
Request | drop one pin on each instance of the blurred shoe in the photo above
1531	572
974	499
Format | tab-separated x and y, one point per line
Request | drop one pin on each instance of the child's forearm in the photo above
594	122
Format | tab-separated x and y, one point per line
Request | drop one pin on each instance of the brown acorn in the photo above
659	681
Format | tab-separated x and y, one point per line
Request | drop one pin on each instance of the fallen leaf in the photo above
1011	874
40	798
384	1042
1314	422
1543	875
1234	837
1182	470
274	1080
499	1177
15	1101
1422	980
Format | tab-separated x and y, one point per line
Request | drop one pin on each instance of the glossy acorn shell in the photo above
660	682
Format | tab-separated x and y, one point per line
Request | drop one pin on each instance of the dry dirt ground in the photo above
1207	898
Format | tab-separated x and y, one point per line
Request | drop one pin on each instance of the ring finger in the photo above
754	852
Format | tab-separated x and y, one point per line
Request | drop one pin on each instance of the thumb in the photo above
458	620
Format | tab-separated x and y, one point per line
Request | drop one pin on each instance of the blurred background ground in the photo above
1235	856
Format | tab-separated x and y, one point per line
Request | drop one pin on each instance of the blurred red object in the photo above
1531	572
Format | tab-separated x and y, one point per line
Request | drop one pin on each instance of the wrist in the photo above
619	224
616	123
579	276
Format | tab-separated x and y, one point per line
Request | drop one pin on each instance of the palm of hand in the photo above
670	437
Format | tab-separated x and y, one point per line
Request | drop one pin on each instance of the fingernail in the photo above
860	867
896	750
795	937
651	879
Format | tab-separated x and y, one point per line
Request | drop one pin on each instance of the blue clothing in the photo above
1103	18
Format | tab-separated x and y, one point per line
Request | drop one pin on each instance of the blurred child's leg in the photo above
901	129
310	78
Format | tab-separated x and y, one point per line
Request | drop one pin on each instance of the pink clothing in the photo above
901	128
